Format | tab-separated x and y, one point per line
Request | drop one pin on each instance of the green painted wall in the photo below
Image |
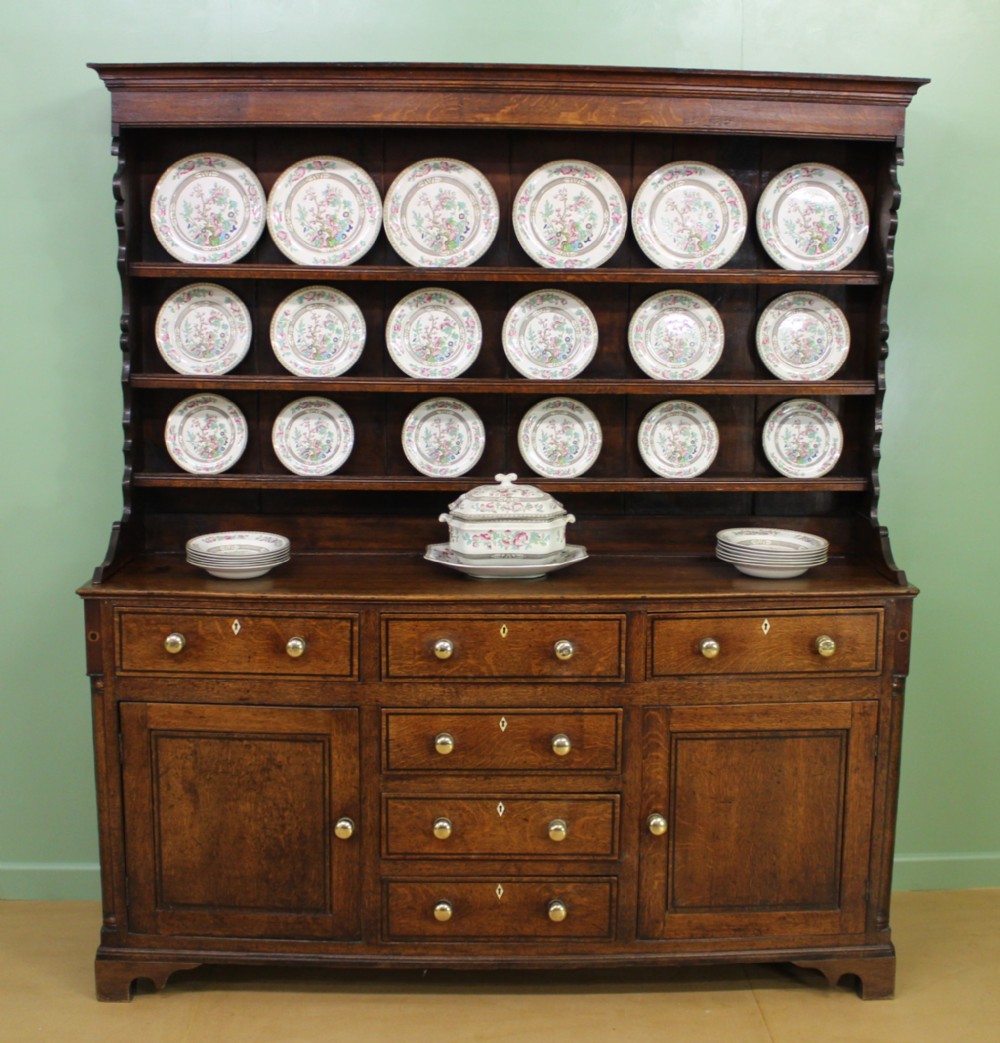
59	418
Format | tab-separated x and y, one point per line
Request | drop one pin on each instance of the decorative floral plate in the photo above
559	438
324	211
443	437
676	335
205	434
549	335
312	436
812	218
504	568
208	209
318	332
433	334
689	215
678	439
441	213
570	214
802	439
803	336
203	330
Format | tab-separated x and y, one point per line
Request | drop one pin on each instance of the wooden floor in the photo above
947	991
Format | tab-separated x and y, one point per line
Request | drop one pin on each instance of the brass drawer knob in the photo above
564	650
709	647
344	829
444	743
174	643
561	745
558	830
442	911
656	824
825	645
296	646
557	910
444	649
442	828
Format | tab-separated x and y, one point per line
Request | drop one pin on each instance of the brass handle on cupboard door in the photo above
174	643
656	824
444	649
561	745
558	830
296	646
557	910
442	911
344	828
564	650
444	743
442	828
825	645
709	647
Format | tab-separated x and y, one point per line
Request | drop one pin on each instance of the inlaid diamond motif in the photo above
236	626
766	626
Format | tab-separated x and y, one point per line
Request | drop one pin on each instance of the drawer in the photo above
458	909
581	825
234	643
848	641
478	648
502	740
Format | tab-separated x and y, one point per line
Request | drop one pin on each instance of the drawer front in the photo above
234	643
581	825
464	909
502	740
777	643
476	648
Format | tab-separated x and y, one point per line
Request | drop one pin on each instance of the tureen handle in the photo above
505	480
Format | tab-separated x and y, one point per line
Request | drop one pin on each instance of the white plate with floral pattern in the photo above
676	335
203	330
802	439
433	334
504	568
317	332
208	209
312	436
570	214
549	335
205	434
559	438
324	211
678	439
441	213
689	215
803	336
443	437
812	218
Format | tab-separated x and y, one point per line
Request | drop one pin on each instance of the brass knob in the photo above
709	647
825	645
656	824
558	830
557	910
561	745
174	643
564	650
442	911
442	828
444	743
296	646
444	649
344	828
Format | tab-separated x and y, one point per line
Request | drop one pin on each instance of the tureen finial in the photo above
505	480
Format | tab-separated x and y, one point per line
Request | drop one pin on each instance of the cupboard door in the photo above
230	813
767	813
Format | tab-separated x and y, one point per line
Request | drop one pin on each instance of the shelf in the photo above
513	386
483	273
391	483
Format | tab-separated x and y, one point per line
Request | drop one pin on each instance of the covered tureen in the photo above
506	521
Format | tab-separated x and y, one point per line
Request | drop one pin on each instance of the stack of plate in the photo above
770	553
238	555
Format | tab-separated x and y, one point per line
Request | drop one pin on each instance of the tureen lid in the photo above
506	500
